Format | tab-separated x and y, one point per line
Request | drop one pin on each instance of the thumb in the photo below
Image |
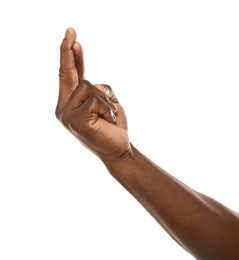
108	91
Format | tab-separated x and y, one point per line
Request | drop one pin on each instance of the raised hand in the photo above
90	112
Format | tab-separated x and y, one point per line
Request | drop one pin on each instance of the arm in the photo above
202	226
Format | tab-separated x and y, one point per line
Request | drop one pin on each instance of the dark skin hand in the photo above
201	225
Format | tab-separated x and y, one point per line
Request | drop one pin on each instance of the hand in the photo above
91	113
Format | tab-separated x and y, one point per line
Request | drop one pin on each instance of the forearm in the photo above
204	227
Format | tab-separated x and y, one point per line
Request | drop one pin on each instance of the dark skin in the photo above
203	226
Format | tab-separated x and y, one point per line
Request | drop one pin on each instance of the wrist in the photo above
117	163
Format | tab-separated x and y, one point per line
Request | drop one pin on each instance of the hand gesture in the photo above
90	112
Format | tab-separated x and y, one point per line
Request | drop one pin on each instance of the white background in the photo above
174	67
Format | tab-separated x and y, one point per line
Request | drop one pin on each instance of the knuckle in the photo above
95	100
110	93
86	88
85	85
108	89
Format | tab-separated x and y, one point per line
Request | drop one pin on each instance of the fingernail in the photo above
115	108
113	115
